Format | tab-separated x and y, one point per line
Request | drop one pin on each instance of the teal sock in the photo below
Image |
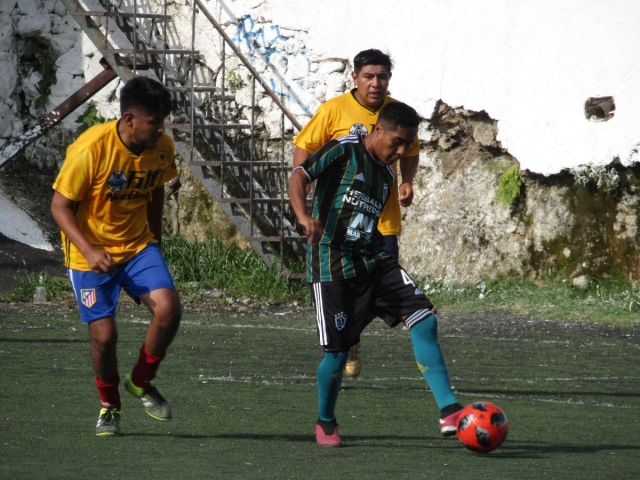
426	348
329	381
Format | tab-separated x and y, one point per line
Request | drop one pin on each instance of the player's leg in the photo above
428	354
353	367
400	299
97	297
149	281
337	330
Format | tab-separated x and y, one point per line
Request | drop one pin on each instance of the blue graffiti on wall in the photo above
268	42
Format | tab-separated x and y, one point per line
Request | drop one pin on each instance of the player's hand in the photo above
312	228
406	194
101	262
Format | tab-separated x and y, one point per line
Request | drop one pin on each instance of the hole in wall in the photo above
599	109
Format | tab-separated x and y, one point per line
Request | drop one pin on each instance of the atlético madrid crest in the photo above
341	320
88	297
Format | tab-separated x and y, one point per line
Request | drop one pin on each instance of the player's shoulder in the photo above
95	138
389	99
336	103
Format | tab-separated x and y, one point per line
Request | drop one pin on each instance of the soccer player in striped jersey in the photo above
351	275
357	112
108	203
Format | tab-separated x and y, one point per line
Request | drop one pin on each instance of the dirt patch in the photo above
18	259
30	189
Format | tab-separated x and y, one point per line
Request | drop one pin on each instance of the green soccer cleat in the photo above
155	405
108	422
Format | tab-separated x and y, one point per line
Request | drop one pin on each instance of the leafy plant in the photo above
234	79
89	118
24	287
212	263
509	186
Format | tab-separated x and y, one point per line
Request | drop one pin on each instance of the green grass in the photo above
212	264
244	401
611	300
25	284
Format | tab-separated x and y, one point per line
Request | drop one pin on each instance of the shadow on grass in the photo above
310	438
43	340
480	392
532	450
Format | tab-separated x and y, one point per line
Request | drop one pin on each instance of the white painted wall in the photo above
530	64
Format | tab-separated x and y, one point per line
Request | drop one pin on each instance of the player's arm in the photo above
408	169
154	213
299	156
63	211
299	184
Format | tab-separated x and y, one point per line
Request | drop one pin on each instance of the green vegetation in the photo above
243	394
46	67
25	284
509	186
89	118
611	300
234	79
212	263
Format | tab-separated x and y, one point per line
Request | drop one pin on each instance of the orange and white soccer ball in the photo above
482	427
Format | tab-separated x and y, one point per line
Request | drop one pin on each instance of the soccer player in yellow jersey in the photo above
357	112
108	203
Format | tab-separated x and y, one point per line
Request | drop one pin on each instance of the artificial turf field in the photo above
242	387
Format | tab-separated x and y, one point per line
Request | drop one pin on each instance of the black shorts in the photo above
345	307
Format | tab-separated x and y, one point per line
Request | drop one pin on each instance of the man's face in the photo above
145	130
389	145
372	83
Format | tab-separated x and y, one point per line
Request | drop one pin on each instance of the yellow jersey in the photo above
341	116
113	187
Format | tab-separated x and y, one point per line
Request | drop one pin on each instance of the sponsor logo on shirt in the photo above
358	129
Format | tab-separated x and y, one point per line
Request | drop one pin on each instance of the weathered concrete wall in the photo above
573	225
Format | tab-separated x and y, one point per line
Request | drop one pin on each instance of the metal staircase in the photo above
244	170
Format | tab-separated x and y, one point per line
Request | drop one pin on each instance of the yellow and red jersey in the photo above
113	187
341	116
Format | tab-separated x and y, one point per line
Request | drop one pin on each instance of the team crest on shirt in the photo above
117	181
162	156
358	129
341	320
88	297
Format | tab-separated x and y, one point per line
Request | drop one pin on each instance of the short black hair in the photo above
398	114
373	56
145	94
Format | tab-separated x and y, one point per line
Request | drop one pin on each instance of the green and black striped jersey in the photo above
351	189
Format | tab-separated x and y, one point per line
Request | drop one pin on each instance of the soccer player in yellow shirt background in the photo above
357	112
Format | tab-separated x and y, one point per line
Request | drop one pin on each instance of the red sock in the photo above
145	368
109	394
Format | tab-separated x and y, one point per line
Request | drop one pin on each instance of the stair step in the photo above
278	238
115	13
238	163
198	88
205	126
150	51
251	200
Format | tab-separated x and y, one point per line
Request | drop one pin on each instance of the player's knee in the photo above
427	328
104	340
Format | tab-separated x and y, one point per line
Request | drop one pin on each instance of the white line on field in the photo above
308	380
